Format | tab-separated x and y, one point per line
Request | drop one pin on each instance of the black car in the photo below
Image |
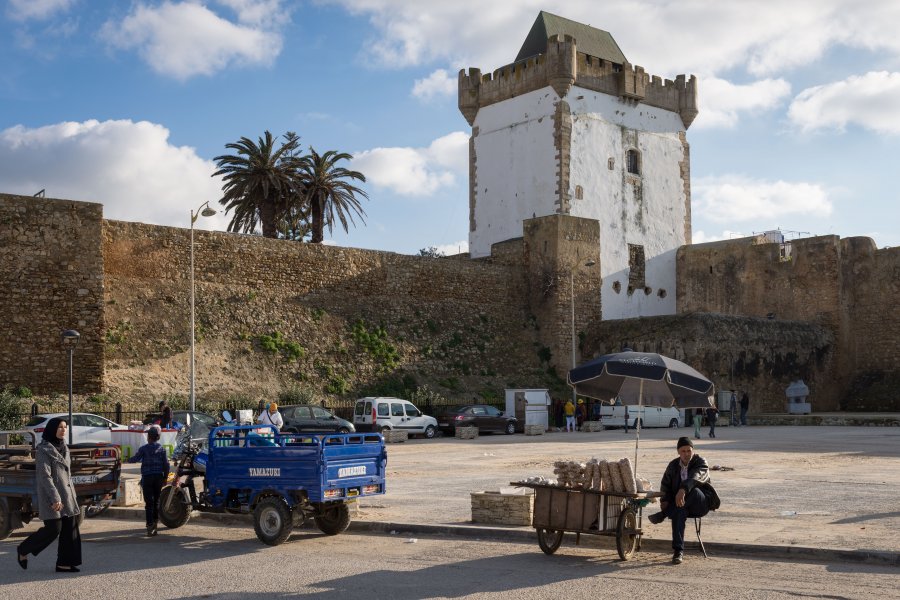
303	418
482	416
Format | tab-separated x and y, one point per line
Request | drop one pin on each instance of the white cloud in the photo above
129	167
721	101
416	171
439	83
736	198
182	40
869	100
23	10
700	237
265	13
455	248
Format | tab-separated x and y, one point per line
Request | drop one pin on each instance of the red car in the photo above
482	416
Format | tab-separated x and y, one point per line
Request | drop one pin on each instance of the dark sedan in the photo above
302	418
482	416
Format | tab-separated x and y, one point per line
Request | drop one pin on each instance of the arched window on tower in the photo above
633	161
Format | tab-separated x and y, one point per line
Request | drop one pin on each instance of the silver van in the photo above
379	413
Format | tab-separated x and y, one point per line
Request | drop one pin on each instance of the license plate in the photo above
442	424
84	479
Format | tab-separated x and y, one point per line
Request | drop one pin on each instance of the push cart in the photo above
592	512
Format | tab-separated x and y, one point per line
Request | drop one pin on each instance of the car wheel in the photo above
673	423
510	428
272	521
343	430
430	431
334	520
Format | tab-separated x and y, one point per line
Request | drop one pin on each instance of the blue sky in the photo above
126	103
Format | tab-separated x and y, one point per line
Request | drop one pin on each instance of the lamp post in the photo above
589	263
205	212
70	339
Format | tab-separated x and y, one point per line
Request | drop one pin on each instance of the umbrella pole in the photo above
637	437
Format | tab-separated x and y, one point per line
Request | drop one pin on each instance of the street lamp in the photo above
70	339
589	263
206	212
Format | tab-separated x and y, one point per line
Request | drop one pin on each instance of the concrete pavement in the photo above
819	493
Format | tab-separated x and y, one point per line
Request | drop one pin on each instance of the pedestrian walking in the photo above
712	415
626	419
745	406
154	472
271	416
56	501
732	409
698	420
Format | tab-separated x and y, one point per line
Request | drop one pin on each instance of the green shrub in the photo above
296	395
10	409
425	396
22	392
375	343
275	343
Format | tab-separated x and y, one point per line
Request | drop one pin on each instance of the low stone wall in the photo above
534	430
502	509
394	437
466	433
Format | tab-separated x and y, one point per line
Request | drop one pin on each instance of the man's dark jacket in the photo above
698	476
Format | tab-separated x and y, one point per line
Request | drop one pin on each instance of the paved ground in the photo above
813	487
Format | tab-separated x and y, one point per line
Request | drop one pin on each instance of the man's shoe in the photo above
678	557
657	518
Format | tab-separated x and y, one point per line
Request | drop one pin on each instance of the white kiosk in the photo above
529	406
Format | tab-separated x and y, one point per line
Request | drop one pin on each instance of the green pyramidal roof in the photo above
589	40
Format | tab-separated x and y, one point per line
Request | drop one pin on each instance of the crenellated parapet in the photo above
561	67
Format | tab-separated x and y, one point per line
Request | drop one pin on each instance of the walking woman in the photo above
57	503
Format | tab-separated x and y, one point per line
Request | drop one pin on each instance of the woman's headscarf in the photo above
49	434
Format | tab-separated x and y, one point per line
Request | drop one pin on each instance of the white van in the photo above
650	416
377	413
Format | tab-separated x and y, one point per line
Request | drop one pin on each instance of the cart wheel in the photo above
627	543
549	540
173	510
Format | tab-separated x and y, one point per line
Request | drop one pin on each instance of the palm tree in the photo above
329	197
261	182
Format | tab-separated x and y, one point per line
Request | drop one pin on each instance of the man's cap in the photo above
684	441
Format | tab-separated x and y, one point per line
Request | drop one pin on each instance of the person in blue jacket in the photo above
154	472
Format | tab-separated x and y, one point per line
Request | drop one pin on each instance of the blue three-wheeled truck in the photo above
283	479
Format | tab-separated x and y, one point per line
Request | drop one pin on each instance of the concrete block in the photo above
129	493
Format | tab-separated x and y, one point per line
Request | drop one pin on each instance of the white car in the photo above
650	416
377	414
86	428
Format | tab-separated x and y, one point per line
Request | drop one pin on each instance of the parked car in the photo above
482	416
377	414
650	416
301	418
86	428
201	422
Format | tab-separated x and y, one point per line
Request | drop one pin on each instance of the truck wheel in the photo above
272	521
176	512
334	520
430	431
5	526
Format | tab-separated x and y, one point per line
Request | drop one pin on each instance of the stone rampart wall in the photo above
52	273
757	356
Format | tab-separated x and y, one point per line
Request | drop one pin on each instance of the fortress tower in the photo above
572	128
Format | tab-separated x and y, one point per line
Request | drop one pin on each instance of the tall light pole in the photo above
589	263
206	212
70	339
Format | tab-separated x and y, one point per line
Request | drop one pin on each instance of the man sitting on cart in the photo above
684	487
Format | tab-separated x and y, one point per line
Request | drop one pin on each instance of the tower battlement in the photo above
561	67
